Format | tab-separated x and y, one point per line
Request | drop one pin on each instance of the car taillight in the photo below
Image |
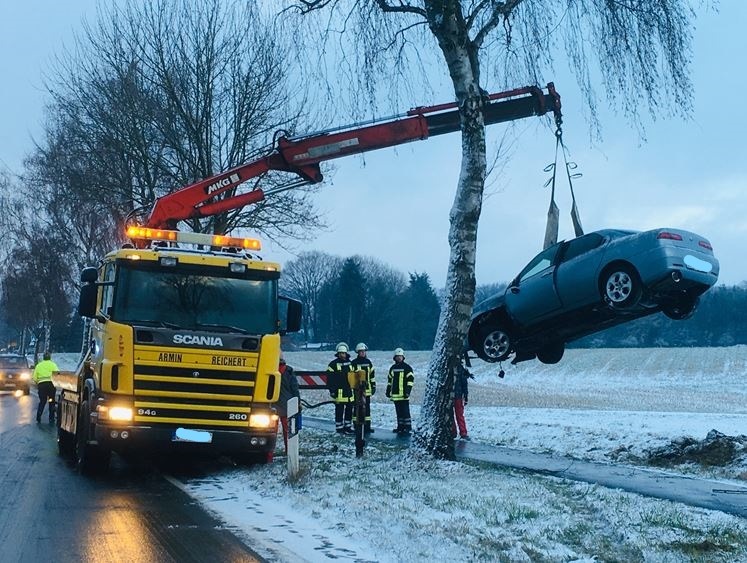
669	236
705	244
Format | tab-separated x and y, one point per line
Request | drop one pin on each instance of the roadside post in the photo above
294	419
357	381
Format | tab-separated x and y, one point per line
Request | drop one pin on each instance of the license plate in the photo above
697	264
189	435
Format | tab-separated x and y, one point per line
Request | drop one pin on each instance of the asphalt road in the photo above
50	513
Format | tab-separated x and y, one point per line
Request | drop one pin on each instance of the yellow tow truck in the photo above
183	352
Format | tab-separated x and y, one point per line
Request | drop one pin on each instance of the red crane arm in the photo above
302	156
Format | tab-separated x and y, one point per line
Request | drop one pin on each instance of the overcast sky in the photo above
687	174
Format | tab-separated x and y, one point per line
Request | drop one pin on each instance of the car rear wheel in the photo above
680	310
551	353
494	344
621	287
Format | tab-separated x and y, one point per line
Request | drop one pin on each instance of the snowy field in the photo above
603	405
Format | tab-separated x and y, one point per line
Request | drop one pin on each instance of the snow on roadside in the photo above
389	506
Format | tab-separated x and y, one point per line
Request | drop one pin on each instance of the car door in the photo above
576	277
532	295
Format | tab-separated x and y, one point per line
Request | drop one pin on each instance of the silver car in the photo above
590	283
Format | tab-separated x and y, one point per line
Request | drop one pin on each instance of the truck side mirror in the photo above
87	302
89	275
290	312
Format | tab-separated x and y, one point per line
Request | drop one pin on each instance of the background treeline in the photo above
362	299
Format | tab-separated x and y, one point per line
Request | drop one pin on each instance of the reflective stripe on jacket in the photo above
43	371
337	381
366	365
400	382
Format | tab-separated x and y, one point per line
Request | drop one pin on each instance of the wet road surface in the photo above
50	513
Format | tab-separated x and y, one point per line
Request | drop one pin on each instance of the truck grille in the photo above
193	394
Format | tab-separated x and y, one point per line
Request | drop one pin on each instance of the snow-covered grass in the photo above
605	405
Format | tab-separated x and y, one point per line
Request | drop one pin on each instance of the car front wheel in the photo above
621	288
494	344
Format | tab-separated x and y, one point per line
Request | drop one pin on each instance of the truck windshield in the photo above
195	298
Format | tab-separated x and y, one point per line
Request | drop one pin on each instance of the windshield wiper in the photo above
164	324
226	328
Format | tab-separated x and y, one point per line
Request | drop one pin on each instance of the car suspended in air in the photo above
578	287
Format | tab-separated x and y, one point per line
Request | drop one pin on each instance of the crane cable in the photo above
553	213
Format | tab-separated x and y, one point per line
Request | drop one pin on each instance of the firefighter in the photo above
361	362
339	389
398	388
44	386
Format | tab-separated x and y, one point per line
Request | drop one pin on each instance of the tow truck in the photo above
185	328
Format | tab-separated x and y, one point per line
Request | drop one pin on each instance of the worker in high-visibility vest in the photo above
361	362
44	386
340	391
398	388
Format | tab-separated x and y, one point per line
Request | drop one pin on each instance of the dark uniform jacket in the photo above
366	365
461	378
337	380
400	382
288	389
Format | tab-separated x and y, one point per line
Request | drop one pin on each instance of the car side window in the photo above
581	245
540	262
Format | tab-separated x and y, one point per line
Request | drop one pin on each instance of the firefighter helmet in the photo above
399	352
361	347
342	348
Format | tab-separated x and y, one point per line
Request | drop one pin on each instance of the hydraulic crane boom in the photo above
302	155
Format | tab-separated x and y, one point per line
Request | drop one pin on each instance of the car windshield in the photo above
211	299
13	362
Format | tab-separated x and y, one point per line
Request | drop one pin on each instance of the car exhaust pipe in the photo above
676	277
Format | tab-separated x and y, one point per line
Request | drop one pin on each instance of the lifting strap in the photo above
553	213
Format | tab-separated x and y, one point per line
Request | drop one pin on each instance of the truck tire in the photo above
90	459
65	440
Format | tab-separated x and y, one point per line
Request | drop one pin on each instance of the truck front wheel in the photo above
90	459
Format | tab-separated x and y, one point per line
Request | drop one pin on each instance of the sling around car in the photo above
582	286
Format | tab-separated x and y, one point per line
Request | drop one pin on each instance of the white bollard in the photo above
292	453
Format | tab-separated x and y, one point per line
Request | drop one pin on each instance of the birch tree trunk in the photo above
434	430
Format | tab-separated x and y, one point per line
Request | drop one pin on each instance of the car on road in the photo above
590	283
15	373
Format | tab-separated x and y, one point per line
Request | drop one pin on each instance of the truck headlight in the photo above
25	375
118	414
263	420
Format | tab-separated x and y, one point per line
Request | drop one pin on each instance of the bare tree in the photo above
162	93
640	50
303	279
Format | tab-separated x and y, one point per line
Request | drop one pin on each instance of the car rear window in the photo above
13	362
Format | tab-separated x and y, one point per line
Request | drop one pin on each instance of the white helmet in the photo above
361	347
399	352
341	348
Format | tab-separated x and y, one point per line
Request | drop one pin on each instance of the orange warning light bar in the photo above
144	233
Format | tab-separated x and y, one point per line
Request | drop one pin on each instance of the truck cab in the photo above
183	353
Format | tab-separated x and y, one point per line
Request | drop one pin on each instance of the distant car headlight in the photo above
25	375
263	420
